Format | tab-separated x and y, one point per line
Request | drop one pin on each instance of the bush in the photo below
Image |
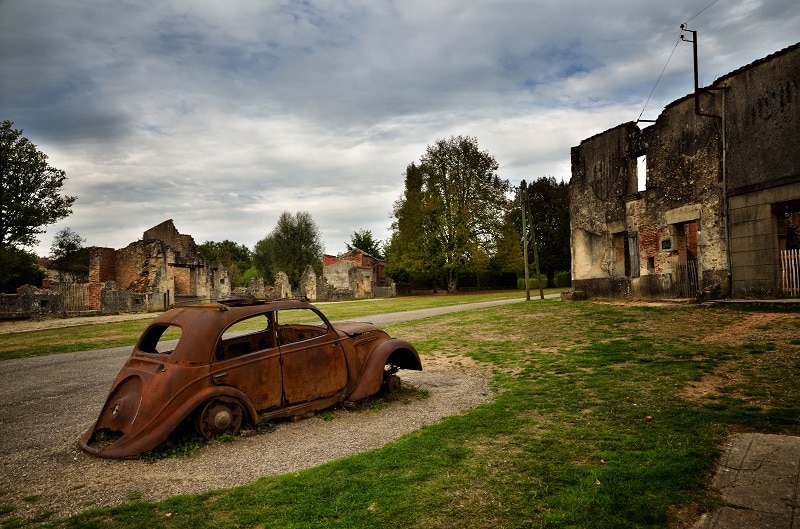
562	279
532	282
17	268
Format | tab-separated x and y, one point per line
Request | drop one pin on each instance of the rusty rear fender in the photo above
394	352
149	436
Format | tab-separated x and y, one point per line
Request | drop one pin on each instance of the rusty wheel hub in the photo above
218	417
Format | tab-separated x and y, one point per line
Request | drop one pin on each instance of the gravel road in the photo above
47	402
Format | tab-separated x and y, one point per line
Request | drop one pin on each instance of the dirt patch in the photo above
758	343
708	386
759	326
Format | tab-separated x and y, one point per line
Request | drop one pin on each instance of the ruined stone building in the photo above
358	272
720	208
162	269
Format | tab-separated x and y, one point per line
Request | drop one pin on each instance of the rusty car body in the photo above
237	363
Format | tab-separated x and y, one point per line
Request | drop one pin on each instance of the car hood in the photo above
354	328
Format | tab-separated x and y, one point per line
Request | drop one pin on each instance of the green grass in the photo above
593	425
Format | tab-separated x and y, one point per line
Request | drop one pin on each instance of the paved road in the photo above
55	398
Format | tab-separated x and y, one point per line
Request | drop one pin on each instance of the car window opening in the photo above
246	336
298	325
159	339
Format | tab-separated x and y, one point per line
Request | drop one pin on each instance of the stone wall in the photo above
30	302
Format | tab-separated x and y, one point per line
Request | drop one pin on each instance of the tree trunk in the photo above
452	281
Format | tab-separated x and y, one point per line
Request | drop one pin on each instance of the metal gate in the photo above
688	284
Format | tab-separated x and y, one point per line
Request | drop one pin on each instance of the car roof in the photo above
201	324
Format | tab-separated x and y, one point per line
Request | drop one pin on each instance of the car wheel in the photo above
222	415
391	383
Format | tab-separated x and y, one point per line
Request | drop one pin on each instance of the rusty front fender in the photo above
394	352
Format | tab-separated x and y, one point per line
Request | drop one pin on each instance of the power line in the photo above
659	79
698	14
669	58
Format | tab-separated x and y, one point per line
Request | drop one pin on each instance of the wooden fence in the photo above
76	299
790	273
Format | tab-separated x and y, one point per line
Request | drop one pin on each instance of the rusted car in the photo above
222	365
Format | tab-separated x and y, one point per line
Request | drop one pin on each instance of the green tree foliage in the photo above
410	254
237	258
450	215
250	274
364	241
548	206
29	190
69	257
293	244
17	268
508	257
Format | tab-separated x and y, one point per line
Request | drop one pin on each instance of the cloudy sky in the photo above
222	115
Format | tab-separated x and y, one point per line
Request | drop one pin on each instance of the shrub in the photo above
562	279
532	282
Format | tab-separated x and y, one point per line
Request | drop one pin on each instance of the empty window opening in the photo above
641	172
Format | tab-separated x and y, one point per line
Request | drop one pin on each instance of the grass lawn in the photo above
605	415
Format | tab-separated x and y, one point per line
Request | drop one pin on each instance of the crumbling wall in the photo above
357	272
603	176
617	230
308	284
102	264
282	286
30	302
183	245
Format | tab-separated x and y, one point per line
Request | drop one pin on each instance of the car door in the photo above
312	357
247	358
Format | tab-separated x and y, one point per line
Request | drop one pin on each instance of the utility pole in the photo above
523	201
525	216
536	260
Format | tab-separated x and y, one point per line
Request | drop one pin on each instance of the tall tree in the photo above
548	205
508	257
237	258
29	190
411	253
291	246
69	257
364	241
452	210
